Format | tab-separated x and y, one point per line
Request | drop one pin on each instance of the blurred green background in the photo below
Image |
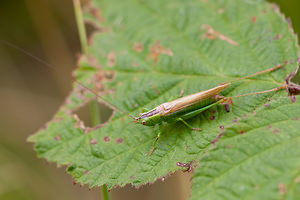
31	93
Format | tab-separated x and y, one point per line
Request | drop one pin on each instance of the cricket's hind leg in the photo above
189	126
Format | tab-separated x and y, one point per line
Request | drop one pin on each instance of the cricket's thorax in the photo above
159	109
183	102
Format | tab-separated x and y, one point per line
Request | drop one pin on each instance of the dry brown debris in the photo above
212	34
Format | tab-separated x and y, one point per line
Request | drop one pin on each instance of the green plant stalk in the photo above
96	119
94	109
80	25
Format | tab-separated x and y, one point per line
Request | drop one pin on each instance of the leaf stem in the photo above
94	109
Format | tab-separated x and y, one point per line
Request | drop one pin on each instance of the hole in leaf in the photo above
94	109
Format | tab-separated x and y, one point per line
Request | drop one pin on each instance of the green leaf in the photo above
149	51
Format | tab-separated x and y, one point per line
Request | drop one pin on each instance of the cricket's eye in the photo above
144	122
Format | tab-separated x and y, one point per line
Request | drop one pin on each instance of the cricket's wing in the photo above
186	101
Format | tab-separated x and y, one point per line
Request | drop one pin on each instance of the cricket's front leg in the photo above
158	129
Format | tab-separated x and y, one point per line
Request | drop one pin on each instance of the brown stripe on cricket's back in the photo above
183	102
192	99
155	111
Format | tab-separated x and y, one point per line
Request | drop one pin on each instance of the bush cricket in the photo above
180	109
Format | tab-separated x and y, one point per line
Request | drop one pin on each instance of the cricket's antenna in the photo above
255	74
253	93
78	82
100	97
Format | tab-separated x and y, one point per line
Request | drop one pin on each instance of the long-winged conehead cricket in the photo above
183	108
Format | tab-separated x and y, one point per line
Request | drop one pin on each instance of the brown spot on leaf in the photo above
253	20
106	139
227	107
256	187
293	99
278	37
297	179
111	59
120	140
269	126
86	172
275	7
93	141
221	10
134	64
212	117
57	138
96	13
156	50
79	123
267	105
276	131
222	127
218	137
282	188
189	166
138	47
212	34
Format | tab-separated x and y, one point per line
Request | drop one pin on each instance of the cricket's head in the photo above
143	119
148	119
